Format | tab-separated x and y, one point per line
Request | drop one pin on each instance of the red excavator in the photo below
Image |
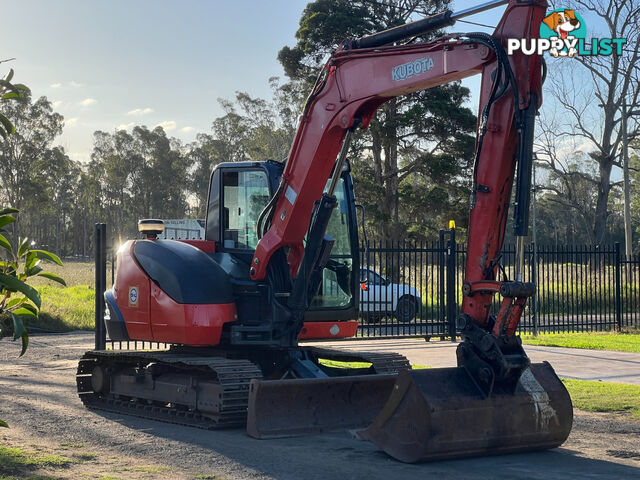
280	260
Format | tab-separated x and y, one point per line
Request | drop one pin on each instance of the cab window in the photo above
245	194
335	290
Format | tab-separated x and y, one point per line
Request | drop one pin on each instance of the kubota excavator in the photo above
279	263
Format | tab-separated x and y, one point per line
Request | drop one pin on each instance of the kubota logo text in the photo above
408	70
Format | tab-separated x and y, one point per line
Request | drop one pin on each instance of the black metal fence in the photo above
408	289
579	288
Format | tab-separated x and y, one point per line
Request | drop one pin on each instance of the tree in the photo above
36	128
584	99
142	174
410	166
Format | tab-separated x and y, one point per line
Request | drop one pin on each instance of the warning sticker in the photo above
291	195
133	296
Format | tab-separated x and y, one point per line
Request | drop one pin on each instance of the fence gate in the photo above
408	290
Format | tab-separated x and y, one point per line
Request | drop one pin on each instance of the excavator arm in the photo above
495	401
358	79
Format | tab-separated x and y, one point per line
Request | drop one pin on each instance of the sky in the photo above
107	65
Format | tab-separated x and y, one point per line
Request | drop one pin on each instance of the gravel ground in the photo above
38	399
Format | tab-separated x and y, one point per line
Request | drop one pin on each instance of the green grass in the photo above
604	396
65	308
621	342
74	273
337	364
15	462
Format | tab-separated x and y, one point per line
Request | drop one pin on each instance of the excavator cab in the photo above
238	194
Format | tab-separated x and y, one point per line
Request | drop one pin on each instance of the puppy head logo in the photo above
565	25
562	22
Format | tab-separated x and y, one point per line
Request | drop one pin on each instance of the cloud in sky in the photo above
57	103
55	85
71	122
186	129
167	125
125	126
140	111
88	101
75	84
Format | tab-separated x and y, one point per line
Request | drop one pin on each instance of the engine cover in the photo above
169	291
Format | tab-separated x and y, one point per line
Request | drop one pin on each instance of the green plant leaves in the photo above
13	302
6	220
35	270
44	255
24	247
24	312
20	332
6	211
7	125
29	307
52	276
18	326
10	95
4	424
13	284
25	342
4	243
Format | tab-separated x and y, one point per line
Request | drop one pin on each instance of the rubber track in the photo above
234	375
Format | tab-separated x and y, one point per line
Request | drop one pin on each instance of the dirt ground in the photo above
38	400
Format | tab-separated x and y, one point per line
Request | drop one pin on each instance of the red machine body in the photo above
152	315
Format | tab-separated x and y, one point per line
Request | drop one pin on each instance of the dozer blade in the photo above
441	413
285	408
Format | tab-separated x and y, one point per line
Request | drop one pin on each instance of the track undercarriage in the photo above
202	388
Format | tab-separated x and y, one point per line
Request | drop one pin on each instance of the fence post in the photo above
442	302
534	280
451	284
618	289
100	284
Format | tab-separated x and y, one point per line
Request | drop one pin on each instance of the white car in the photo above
380	297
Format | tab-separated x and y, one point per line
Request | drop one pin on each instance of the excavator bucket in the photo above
441	413
285	408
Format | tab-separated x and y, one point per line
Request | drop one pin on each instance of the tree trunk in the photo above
604	187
